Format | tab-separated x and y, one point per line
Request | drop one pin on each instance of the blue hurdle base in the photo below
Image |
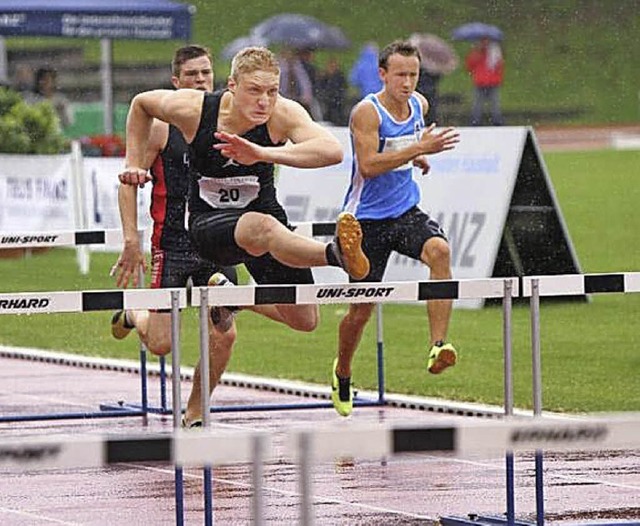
111	412
488	520
480	520
362	402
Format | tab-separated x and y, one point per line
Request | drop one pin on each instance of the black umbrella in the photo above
300	32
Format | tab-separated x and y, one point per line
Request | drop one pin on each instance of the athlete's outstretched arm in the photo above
181	108
131	258
371	162
310	146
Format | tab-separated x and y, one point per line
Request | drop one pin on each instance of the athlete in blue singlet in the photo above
390	141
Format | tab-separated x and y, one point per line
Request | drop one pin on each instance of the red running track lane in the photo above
411	489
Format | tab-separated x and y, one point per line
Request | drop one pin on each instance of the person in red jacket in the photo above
485	64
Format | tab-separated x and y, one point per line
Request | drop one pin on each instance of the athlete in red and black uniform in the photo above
174	258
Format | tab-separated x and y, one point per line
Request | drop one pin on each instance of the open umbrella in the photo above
438	57
300	31
229	51
476	31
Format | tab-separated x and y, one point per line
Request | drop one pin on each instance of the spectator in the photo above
428	86
364	74
45	89
486	66
332	89
23	80
295	83
306	57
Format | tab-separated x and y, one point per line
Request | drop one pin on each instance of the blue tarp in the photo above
113	19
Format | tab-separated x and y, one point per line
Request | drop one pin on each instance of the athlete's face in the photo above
401	76
255	95
195	73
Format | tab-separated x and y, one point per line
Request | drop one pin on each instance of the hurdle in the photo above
307	446
532	287
535	287
82	239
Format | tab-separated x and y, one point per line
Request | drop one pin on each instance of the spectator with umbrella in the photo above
485	64
437	59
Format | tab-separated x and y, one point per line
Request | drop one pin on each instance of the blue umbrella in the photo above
476	31
239	43
300	31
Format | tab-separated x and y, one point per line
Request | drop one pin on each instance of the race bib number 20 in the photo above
231	192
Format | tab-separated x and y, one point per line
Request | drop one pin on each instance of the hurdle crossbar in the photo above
182	448
63	238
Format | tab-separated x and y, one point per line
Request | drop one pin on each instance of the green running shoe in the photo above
341	392
441	356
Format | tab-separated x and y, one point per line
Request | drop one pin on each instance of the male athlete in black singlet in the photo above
236	137
222	190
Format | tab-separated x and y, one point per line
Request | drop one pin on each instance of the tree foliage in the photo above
28	129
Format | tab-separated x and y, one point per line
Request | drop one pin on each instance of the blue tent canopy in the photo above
115	19
103	19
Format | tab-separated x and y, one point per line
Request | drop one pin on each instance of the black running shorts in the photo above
213	235
406	235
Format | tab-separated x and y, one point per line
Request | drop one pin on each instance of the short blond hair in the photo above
252	59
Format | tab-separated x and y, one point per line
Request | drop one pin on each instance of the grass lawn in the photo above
590	351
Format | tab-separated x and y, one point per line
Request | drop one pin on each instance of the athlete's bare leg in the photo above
303	318
259	234
220	348
350	334
436	254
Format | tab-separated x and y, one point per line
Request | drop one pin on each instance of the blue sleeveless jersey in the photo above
390	194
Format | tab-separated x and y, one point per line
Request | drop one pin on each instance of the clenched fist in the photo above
134	176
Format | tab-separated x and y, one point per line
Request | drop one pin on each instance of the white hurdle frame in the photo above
536	287
242	295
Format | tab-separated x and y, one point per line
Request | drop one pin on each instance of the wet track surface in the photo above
408	489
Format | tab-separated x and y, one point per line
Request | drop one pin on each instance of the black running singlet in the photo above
219	183
170	173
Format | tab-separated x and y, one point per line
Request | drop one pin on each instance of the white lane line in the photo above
36	516
316	498
581	480
46	398
548	472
